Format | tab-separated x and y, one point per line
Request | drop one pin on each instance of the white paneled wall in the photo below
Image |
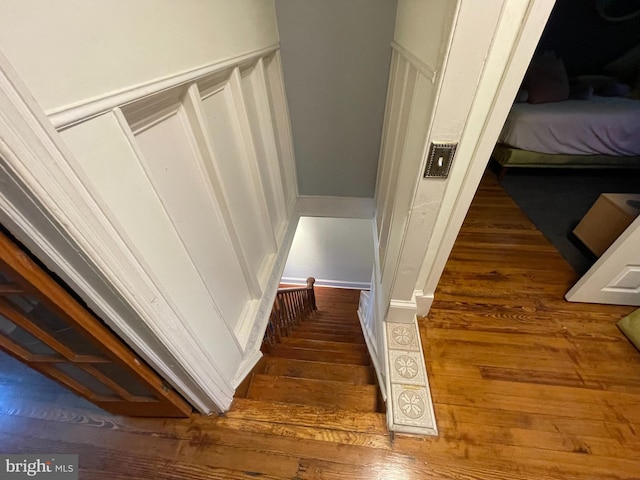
156	146
282	127
199	182
255	91
410	101
389	319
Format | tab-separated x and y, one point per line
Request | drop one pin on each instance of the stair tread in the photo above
329	328
330	337
322	393
324	345
288	367
352	358
308	415
331	324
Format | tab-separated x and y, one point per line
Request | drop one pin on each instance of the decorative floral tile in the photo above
406	368
403	336
412	407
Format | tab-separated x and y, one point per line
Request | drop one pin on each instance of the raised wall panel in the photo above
413	151
259	115
401	104
386	140
282	128
175	167
111	163
222	125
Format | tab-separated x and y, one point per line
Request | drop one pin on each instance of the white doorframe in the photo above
485	58
515	40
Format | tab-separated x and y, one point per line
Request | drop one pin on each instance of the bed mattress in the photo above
602	125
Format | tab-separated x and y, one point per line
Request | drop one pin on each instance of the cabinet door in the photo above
615	277
46	328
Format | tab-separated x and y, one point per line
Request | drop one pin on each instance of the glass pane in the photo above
26	303
48	321
23	338
83	378
123	378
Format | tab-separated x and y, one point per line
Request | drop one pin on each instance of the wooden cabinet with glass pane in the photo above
43	326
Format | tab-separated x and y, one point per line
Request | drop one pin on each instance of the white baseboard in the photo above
401	311
337	207
423	304
370	342
320	282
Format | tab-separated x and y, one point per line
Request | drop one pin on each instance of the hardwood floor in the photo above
526	386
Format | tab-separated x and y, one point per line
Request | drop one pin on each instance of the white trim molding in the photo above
402	311
254	342
514	41
423	303
69	115
336	207
323	282
429	72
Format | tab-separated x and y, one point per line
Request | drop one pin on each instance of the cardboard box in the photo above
606	220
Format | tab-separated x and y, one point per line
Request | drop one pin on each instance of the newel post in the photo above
312	293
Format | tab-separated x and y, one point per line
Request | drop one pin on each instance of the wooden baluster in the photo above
298	307
283	315
312	293
289	311
290	308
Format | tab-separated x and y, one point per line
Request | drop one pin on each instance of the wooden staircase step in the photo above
351	314
288	367
329	337
307	415
316	344
315	327
318	335
352	358
321	393
337	307
333	323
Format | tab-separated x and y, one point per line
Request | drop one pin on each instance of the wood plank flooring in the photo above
526	387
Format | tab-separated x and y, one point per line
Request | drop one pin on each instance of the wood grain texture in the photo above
360	374
526	387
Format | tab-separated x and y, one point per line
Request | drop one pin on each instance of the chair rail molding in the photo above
69	115
429	72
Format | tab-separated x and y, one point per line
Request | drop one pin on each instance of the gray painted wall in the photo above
336	56
337	251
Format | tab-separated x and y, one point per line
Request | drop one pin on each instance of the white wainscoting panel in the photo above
244	196
254	89
174	165
109	167
401	103
282	127
192	179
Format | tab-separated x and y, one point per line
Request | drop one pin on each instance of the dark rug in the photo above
556	200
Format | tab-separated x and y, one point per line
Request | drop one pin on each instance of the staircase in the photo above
320	371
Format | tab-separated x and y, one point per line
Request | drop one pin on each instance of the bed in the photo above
601	132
